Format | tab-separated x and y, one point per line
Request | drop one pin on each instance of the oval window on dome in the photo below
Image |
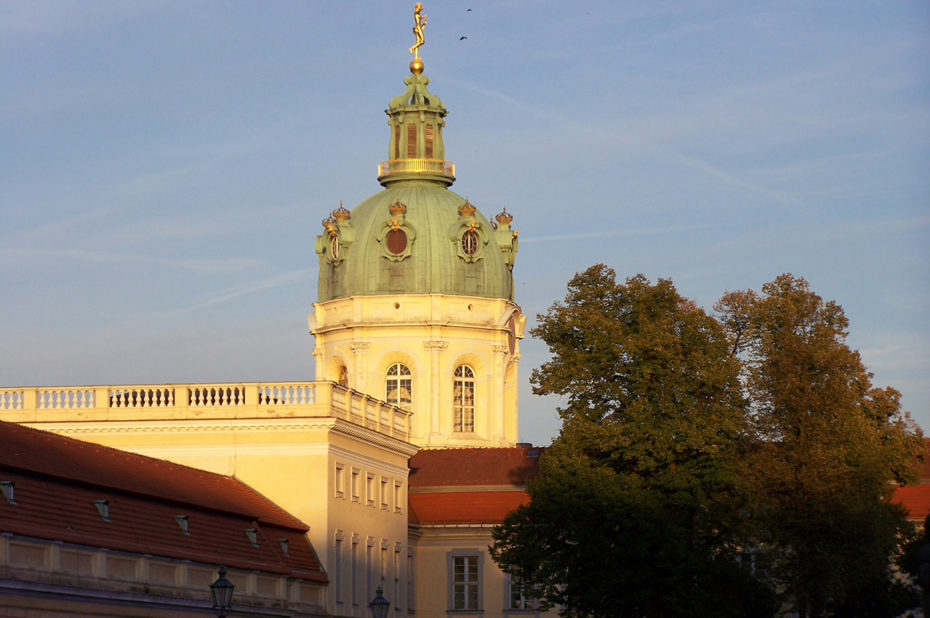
396	241
470	242
334	247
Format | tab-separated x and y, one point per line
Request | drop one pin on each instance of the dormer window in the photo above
103	507
7	488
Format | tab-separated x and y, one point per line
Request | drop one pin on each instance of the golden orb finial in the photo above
416	66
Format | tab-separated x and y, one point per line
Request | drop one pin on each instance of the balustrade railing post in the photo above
102	397
181	399
251	394
30	398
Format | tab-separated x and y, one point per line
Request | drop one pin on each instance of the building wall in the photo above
431	334
41	578
436	549
290	452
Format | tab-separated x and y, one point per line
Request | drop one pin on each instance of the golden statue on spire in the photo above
419	22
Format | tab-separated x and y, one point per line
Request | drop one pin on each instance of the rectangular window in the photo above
356	495
337	567
398	497
465	582
410	580
355	565
518	597
370	489
396	152
384	493
428	141
369	569
339	480
411	141
397	577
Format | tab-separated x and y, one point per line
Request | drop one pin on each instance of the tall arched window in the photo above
397	386
463	399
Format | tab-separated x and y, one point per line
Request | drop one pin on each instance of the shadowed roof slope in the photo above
172	511
41	452
469	486
474	466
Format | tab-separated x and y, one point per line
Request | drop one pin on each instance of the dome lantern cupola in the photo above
415	150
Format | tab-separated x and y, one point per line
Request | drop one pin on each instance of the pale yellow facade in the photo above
431	335
49	579
333	457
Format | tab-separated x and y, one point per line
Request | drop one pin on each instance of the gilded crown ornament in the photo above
397	208
504	217
329	224
341	213
466	209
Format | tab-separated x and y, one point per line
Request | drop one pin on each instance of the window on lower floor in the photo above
466	582
518	597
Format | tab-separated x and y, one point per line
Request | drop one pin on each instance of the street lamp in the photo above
222	590
379	606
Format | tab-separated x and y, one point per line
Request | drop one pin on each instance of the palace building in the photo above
388	470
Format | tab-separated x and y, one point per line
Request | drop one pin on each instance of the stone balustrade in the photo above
201	401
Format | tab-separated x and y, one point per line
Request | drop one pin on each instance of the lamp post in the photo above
379	606
222	590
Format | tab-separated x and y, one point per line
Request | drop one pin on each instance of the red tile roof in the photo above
469	486
466	507
473	466
915	498
46	453
57	480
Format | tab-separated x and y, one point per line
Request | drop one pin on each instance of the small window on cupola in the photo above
396	241
334	247
470	242
411	141
428	141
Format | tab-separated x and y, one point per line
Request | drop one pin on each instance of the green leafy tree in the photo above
635	511
830	448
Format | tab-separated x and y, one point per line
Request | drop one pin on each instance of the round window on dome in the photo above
396	241
470	242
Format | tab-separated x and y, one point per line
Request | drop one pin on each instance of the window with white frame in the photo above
463	399
518	597
398	386
465	580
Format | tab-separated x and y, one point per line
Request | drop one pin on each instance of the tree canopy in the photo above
829	449
734	466
636	508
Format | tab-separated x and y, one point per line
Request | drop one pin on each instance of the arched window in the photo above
343	379
463	399
397	386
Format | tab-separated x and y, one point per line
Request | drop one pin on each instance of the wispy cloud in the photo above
657	231
103	257
249	287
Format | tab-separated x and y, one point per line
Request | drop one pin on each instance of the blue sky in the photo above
164	166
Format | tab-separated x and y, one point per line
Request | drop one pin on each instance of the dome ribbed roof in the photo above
416	236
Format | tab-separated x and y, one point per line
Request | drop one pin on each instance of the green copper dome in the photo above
415	236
